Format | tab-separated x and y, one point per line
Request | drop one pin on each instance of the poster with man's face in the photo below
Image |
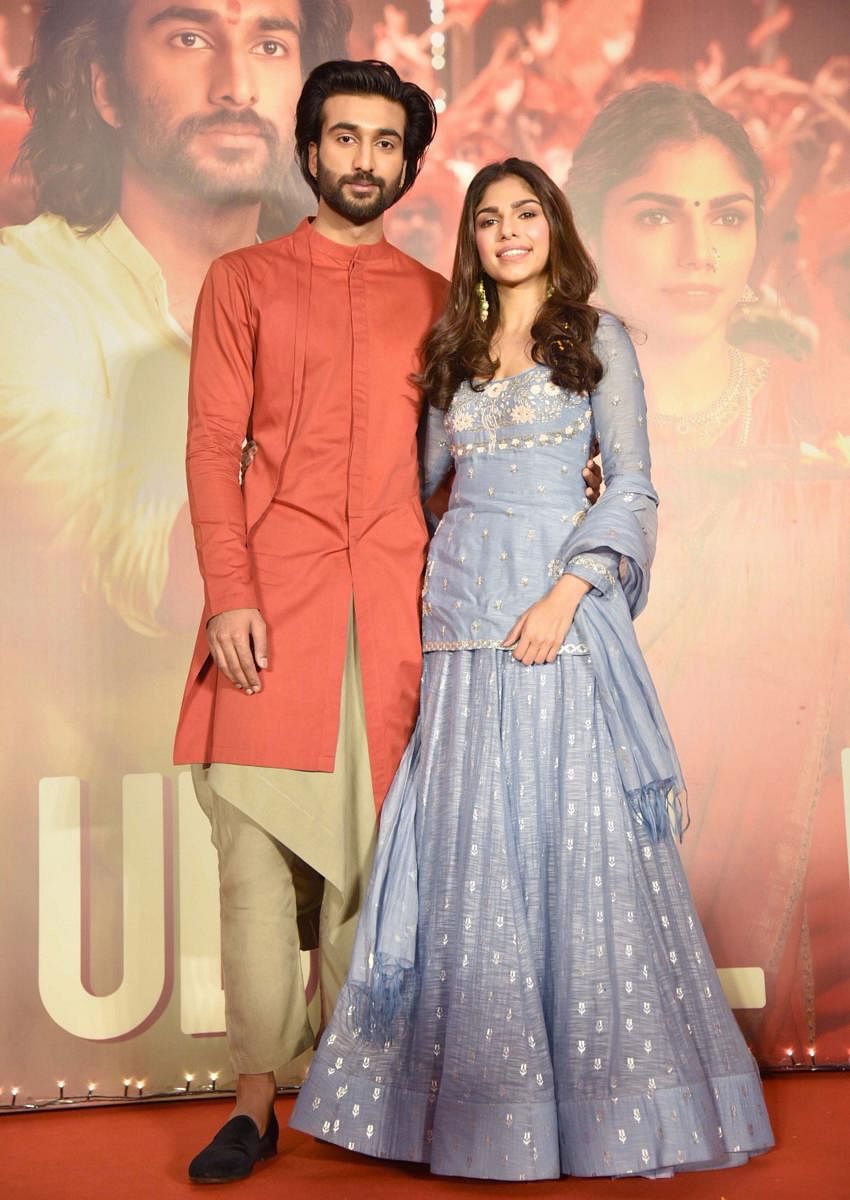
708	165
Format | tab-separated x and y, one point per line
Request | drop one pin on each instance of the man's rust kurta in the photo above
308	346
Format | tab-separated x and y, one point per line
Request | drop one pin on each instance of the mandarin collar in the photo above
338	252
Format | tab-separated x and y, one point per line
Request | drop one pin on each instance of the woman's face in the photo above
677	241
511	233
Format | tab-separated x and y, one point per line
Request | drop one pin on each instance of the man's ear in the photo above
101	98
313	159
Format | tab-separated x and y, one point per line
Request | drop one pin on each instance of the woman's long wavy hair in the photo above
74	156
458	346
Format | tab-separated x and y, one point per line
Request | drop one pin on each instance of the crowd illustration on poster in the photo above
708	165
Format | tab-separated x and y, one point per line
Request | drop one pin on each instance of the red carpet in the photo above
140	1153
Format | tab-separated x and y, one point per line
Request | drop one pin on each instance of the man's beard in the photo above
227	179
358	210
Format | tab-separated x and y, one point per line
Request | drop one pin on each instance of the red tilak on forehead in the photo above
234	11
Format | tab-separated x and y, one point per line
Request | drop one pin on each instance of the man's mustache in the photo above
245	118
363	177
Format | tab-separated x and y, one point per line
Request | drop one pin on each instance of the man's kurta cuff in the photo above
226	599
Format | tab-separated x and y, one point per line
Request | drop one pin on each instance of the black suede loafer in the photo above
234	1150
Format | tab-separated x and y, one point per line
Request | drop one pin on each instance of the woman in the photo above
670	195
531	993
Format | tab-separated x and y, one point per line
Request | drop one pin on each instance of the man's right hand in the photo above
592	474
239	646
249	453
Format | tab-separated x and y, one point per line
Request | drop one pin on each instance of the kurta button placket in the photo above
360	393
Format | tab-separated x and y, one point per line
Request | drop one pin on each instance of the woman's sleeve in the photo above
619	414
435	454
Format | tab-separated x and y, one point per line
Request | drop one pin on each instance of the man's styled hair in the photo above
369	77
73	154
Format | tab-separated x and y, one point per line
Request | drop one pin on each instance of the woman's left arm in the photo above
607	549
619	414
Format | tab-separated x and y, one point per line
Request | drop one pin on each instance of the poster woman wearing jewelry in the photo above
749	604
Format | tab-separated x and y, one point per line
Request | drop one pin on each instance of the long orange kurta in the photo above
307	345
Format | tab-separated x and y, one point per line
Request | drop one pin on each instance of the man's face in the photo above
359	164
208	94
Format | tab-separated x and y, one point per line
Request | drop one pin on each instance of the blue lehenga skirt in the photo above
560	1012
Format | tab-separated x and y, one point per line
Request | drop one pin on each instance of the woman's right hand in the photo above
537	636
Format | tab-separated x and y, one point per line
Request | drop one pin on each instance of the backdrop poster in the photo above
109	921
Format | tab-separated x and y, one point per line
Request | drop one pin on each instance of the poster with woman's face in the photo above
706	155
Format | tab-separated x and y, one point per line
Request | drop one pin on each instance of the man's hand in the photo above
239	646
539	633
592	475
249	453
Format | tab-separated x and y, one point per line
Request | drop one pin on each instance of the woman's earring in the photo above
483	303
748	296
550	291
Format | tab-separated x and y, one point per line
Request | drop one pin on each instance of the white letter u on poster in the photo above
60	932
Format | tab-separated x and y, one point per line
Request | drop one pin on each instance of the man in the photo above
161	137
304	686
303	712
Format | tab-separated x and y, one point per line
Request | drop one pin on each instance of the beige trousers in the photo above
294	853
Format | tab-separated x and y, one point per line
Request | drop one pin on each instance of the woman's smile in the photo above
511	233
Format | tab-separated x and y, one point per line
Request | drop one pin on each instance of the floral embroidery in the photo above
566	648
591	564
553	438
527	399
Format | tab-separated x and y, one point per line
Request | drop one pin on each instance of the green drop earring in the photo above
483	302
